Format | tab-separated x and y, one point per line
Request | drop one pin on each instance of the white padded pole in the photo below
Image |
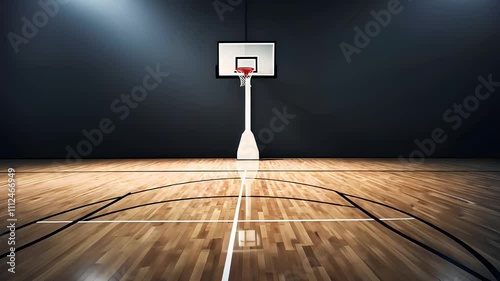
247	105
248	150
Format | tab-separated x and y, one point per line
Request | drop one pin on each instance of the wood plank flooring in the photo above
298	219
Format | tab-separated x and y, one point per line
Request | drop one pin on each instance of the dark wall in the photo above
394	91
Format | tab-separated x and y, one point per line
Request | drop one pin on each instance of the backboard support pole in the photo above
247	150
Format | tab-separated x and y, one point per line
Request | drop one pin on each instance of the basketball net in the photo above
245	74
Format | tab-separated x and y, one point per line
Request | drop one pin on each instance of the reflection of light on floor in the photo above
248	238
248	170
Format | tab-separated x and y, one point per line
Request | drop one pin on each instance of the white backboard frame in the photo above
232	54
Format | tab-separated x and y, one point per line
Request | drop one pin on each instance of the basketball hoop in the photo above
245	74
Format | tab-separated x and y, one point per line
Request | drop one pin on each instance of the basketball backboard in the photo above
259	55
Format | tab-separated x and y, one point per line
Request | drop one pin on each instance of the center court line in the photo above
230	247
226	221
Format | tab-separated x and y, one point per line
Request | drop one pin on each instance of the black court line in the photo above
491	268
418	243
215	197
57	214
483	260
183	183
113	198
471	250
131	193
88	218
265	171
18	249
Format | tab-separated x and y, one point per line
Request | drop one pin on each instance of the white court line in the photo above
139	221
230	247
328	220
225	221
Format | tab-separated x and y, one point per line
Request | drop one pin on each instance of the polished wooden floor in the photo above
279	219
